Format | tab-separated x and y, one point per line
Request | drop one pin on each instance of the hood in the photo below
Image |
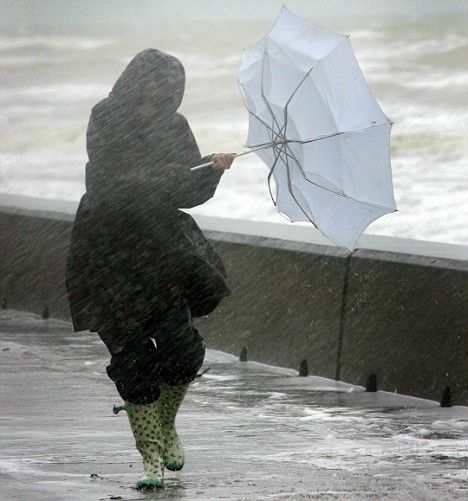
154	78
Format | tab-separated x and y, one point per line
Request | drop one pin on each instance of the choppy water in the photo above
56	62
251	431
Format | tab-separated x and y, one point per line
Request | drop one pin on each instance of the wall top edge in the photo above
295	232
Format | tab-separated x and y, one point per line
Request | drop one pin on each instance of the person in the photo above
139	269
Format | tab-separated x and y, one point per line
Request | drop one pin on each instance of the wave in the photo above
438	80
402	51
60	43
366	34
418	77
428	119
56	93
408	143
450	42
17	61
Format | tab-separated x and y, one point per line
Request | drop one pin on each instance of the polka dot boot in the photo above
168	404
147	429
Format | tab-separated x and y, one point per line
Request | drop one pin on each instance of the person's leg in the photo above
168	404
146	427
180	348
130	369
134	371
182	352
157	377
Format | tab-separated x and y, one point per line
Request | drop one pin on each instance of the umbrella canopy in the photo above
315	123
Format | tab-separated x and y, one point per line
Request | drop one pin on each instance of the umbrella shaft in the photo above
270	145
263	146
197	167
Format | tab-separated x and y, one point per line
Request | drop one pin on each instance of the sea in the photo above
59	58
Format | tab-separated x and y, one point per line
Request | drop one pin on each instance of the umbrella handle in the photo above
197	167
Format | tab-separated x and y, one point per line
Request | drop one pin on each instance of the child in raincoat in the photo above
139	269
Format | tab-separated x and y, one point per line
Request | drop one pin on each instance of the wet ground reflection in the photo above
250	431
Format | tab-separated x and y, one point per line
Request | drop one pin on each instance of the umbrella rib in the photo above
300	206
269	177
296	140
263	95
278	155
309	72
291	191
267	126
293	156
341	194
256	116
297	88
306	141
281	130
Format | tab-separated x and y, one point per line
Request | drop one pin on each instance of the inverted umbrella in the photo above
316	124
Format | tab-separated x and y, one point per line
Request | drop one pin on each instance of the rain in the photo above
233	250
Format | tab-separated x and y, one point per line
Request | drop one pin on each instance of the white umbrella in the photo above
315	123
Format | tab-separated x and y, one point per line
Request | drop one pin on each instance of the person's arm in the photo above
183	188
189	188
119	169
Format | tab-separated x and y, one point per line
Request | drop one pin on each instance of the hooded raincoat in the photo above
134	257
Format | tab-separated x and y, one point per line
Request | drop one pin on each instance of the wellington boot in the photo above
146	426
168	404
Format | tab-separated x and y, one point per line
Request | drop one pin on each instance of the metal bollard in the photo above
243	354
304	368
371	384
45	312
446	400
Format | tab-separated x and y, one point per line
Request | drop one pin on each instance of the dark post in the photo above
304	368
446	400
371	384
243	354
4	303
45	312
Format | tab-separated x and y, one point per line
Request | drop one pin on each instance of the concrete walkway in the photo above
250	431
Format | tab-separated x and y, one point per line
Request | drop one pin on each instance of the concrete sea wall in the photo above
395	309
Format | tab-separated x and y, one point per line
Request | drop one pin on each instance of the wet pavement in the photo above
250	431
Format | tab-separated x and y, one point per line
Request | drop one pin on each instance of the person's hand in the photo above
223	161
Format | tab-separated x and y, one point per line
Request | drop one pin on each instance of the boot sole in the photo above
149	484
174	467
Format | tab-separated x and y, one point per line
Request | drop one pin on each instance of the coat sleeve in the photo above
193	187
179	186
116	167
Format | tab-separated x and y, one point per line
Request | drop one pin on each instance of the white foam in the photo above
57	94
60	43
